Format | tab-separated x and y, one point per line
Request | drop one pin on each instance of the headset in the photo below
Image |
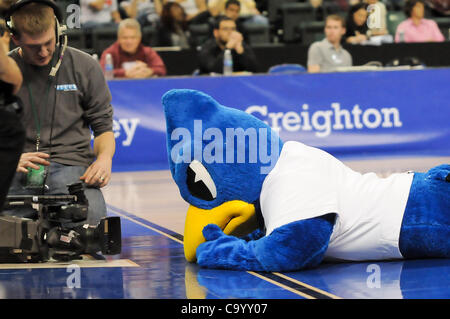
60	29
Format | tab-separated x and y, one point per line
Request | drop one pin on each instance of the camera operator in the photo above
12	134
59	111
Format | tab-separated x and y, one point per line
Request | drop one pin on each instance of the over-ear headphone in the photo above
60	28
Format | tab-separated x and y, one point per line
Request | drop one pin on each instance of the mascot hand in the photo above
300	244
226	252
441	172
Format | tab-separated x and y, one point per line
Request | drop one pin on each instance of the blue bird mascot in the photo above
259	204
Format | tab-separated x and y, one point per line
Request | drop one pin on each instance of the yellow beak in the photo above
235	218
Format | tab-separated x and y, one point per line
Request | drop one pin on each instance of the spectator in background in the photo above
130	57
326	55
356	24
232	11
226	37
196	10
248	11
174	30
376	7
147	12
439	7
416	28
95	13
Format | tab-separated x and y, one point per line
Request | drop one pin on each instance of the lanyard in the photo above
37	119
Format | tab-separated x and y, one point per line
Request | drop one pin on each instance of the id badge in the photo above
36	177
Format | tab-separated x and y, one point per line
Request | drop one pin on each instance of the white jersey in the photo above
307	182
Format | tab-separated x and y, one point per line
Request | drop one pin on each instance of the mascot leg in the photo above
425	228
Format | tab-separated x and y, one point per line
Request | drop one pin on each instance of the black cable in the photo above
51	79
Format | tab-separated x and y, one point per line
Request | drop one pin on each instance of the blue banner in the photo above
350	115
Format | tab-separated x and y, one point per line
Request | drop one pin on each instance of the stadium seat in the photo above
150	36
62	5
444	25
311	31
292	14
256	33
332	7
76	38
394	18
273	9
287	69
200	33
103	37
393	5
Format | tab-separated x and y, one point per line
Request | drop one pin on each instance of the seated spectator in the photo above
226	37
416	28
174	30
95	13
439	7
378	8
248	11
356	24
232	11
196	10
326	55
147	12
130	57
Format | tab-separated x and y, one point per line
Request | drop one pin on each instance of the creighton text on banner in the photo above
356	114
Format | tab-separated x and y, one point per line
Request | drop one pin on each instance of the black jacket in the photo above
211	59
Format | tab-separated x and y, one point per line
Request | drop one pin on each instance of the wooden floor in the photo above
151	195
151	200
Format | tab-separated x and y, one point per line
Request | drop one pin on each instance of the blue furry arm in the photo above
298	245
257	234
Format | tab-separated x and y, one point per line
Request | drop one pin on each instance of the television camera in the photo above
48	237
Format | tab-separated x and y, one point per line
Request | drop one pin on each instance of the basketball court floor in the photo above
152	263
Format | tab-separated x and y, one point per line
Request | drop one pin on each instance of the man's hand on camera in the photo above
32	160
99	173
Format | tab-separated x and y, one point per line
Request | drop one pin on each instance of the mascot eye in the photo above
199	182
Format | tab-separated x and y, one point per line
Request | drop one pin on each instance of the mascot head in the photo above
219	158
